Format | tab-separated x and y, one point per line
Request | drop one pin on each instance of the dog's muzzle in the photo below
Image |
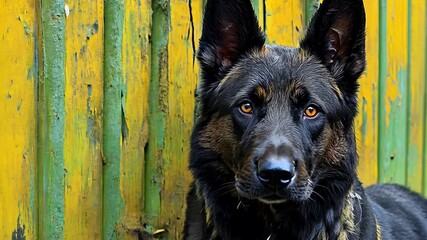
276	168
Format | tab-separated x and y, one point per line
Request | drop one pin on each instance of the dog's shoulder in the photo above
399	211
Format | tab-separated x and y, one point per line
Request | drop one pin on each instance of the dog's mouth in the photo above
272	199
297	192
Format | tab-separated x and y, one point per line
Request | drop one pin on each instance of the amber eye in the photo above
246	107
311	112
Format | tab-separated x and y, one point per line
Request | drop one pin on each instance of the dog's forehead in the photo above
281	69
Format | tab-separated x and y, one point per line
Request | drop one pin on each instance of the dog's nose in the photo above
276	172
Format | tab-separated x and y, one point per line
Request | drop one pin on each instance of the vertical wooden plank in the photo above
18	79
425	144
258	6
367	119
417	85
310	8
393	90
136	79
51	122
425	118
285	21
158	105
83	120
182	72
112	118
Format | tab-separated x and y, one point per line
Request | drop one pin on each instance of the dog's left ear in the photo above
230	30
336	35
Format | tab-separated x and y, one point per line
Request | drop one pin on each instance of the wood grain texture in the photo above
284	21
367	119
135	89
18	128
158	105
393	91
112	202
84	30
182	73
51	118
416	90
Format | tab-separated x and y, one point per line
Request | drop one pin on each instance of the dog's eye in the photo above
246	107
311	112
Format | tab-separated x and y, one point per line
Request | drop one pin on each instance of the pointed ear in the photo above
230	29
336	35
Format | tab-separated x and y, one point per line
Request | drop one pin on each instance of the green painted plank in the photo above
425	123
393	91
415	91
157	107
310	8
112	122
382	65
425	137
425	143
51	122
259	8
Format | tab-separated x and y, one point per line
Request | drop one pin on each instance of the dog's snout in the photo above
276	173
276	166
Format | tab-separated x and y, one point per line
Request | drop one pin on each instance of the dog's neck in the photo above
290	220
336	222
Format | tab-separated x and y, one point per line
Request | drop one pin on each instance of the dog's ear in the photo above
230	29
336	35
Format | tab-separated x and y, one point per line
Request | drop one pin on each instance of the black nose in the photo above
276	173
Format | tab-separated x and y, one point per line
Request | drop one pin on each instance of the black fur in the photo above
256	101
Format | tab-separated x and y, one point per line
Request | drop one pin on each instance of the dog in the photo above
273	150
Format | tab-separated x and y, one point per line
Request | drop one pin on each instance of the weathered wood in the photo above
51	117
393	91
367	119
154	157
182	75
84	30
416	90
18	128
112	204
135	91
284	21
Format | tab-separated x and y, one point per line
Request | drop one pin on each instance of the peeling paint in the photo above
19	232
67	10
27	29
51	121
113	77
92	30
392	148
364	119
18	121
18	108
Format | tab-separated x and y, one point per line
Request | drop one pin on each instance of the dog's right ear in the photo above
230	29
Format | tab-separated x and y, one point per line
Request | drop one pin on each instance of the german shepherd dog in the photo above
273	151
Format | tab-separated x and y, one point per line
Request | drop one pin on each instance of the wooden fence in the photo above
97	98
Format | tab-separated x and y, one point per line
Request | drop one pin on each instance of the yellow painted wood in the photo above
182	76
285	21
136	79
18	73
417	85
83	120
367	119
393	90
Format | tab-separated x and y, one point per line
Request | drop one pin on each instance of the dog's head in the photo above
277	121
